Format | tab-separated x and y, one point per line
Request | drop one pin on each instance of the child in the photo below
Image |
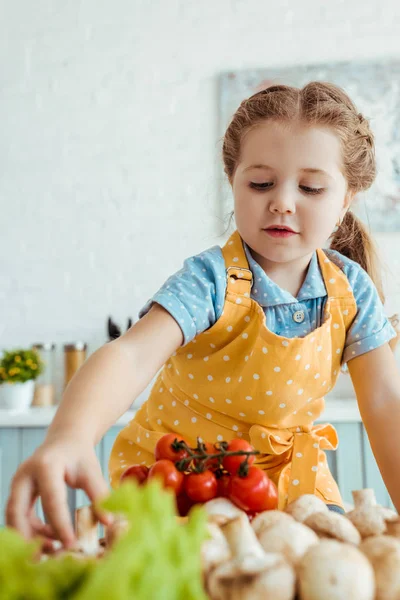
251	336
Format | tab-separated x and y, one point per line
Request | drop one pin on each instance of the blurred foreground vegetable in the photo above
157	557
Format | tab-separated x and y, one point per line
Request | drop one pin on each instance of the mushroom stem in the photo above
252	574
243	542
363	498
86	530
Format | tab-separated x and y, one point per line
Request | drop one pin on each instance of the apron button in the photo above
298	316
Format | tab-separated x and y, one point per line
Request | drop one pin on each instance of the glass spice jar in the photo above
44	394
74	357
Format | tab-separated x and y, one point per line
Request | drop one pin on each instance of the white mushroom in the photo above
251	574
215	549
245	547
333	525
221	510
86	529
335	571
304	506
268	518
383	553
369	517
289	538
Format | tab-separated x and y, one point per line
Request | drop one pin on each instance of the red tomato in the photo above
253	493
164	448
223	486
183	504
232	463
201	487
169	475
137	472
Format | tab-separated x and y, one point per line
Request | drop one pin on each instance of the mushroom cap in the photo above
276	579
268	518
306	505
333	525
289	538
368	520
335	571
383	553
375	547
222	510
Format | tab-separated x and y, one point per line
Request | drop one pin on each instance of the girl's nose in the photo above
282	202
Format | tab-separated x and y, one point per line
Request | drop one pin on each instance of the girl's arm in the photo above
376	381
101	391
114	376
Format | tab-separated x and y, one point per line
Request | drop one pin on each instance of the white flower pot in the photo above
16	396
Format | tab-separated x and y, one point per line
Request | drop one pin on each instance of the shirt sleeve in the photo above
371	328
194	296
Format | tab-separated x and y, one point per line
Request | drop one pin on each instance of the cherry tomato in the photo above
232	463
253	493
223	485
201	487
169	475
164	448
183	504
137	472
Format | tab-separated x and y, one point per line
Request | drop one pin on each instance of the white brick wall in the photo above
109	144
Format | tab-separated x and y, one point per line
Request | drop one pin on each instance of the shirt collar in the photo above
267	293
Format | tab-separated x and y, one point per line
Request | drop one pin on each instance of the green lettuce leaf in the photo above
22	577
158	558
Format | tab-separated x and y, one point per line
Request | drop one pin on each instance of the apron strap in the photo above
239	278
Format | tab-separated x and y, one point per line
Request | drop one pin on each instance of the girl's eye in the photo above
260	186
310	190
267	185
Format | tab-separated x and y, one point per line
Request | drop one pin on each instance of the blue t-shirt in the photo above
195	297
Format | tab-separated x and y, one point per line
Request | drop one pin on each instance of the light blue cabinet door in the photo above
31	438
108	441
9	460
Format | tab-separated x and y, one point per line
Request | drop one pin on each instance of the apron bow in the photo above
303	446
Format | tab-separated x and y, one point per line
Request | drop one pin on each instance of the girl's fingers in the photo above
96	488
22	497
40	528
53	493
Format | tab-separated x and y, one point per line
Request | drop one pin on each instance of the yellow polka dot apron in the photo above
239	379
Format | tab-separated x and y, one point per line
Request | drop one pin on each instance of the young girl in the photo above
250	337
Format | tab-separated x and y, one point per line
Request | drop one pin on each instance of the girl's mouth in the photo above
279	231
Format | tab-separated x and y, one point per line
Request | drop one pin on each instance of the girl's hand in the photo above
46	474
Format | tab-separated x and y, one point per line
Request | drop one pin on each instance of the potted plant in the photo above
18	371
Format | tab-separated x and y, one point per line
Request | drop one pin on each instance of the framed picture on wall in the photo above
375	89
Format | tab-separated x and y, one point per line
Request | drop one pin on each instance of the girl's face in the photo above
288	176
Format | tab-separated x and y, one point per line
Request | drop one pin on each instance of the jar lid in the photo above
44	346
75	346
